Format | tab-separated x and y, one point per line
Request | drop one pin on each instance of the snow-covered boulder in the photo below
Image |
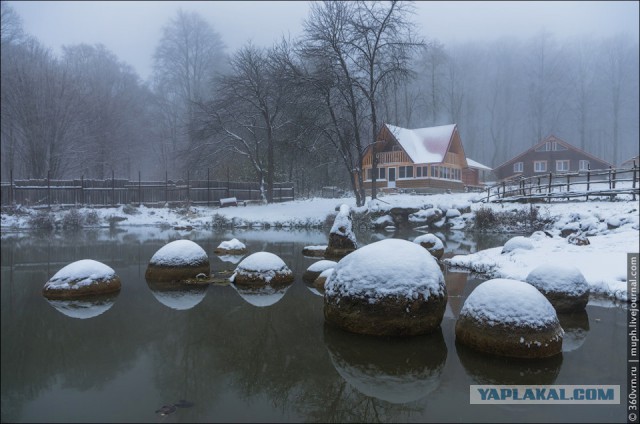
518	242
383	221
315	251
509	318
315	269
397	371
453	213
432	243
82	278
563	285
390	287
578	239
178	260
342	239
319	282
262	268
426	216
231	247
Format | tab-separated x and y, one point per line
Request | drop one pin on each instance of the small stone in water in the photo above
166	410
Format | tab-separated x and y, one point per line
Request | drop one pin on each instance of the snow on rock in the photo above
453	213
427	216
320	281
315	250
342	239
233	244
563	285
315	269
180	253
518	242
393	275
509	318
432	243
602	263
263	268
82	278
383	221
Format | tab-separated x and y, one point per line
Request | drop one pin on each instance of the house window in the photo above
517	167
435	171
583	165
382	174
558	147
540	166
562	165
405	172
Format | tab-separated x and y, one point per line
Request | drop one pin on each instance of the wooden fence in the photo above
589	183
111	192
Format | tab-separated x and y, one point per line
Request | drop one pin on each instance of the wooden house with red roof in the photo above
550	155
422	159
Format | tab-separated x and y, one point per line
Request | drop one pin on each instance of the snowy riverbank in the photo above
611	227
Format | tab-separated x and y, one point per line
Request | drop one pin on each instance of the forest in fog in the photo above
304	109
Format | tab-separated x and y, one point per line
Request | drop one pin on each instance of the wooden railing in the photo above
589	183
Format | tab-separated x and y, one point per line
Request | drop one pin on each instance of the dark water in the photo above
232	361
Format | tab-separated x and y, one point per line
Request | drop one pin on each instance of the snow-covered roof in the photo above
473	164
424	145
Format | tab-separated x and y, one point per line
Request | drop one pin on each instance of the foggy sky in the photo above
132	29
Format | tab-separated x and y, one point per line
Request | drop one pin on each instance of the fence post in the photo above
113	188
208	193
49	188
538	184
187	187
229	184
588	179
488	190
139	189
11	198
166	187
610	177
82	188
549	188
504	191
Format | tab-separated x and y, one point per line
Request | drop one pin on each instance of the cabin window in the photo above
540	166
405	172
382	174
421	171
518	166
583	165
562	165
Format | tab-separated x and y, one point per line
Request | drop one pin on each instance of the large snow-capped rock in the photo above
176	261
509	318
85	277
315	269
432	243
563	285
390	287
262	268
231	247
342	239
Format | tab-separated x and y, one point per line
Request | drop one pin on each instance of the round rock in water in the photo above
391	287
176	261
319	282
262	268
315	269
563	285
231	247
509	318
518	242
432	243
82	278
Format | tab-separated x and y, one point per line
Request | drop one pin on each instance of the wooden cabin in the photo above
476	175
629	163
550	155
422	160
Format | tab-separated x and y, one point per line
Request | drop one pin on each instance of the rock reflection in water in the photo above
576	327
493	369
234	259
178	296
261	296
396	370
84	308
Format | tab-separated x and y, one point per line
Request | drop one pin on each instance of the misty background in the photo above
295	91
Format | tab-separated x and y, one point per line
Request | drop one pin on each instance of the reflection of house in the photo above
422	159
550	155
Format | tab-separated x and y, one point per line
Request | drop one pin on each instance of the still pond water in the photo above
237	359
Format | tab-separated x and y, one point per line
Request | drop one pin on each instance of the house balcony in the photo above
385	158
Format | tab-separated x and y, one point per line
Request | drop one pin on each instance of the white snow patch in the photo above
518	242
321	265
429	238
391	267
264	265
558	278
342	224
509	302
233	244
180	253
80	274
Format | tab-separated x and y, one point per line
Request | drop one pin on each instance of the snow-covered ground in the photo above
612	228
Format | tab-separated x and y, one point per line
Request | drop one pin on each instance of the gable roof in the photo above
424	145
473	164
556	139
